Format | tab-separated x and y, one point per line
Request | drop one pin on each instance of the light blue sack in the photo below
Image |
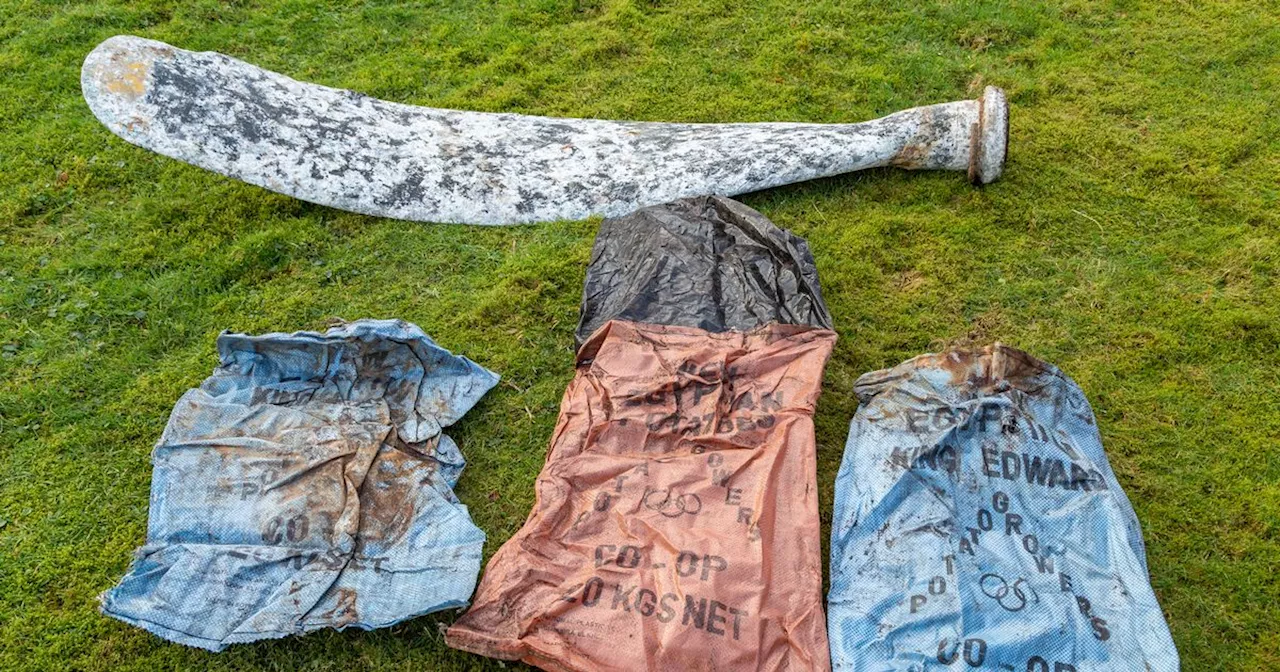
978	526
306	484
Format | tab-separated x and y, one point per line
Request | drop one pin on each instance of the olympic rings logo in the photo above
1010	598
672	506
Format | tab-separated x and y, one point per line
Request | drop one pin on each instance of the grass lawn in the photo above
1134	241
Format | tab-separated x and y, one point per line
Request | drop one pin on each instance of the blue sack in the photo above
307	484
978	525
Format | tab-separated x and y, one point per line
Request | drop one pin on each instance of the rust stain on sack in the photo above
388	494
344	612
309	481
992	369
988	367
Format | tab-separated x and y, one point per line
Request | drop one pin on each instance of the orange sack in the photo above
676	523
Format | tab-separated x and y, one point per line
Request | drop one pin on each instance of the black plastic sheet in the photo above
707	262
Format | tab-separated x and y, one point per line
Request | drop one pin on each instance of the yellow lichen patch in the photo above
128	79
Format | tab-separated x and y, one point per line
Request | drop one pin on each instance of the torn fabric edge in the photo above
307	484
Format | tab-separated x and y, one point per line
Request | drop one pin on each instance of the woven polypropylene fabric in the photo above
676	525
307	484
978	525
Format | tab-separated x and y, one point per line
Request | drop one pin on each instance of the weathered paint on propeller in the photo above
350	151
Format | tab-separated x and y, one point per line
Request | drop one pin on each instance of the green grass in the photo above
1134	241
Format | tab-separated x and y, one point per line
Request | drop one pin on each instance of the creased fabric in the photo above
676	524
708	262
978	525
307	484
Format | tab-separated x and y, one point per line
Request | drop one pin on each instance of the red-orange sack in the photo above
676	524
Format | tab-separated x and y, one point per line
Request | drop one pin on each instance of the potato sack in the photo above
308	484
978	525
676	522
